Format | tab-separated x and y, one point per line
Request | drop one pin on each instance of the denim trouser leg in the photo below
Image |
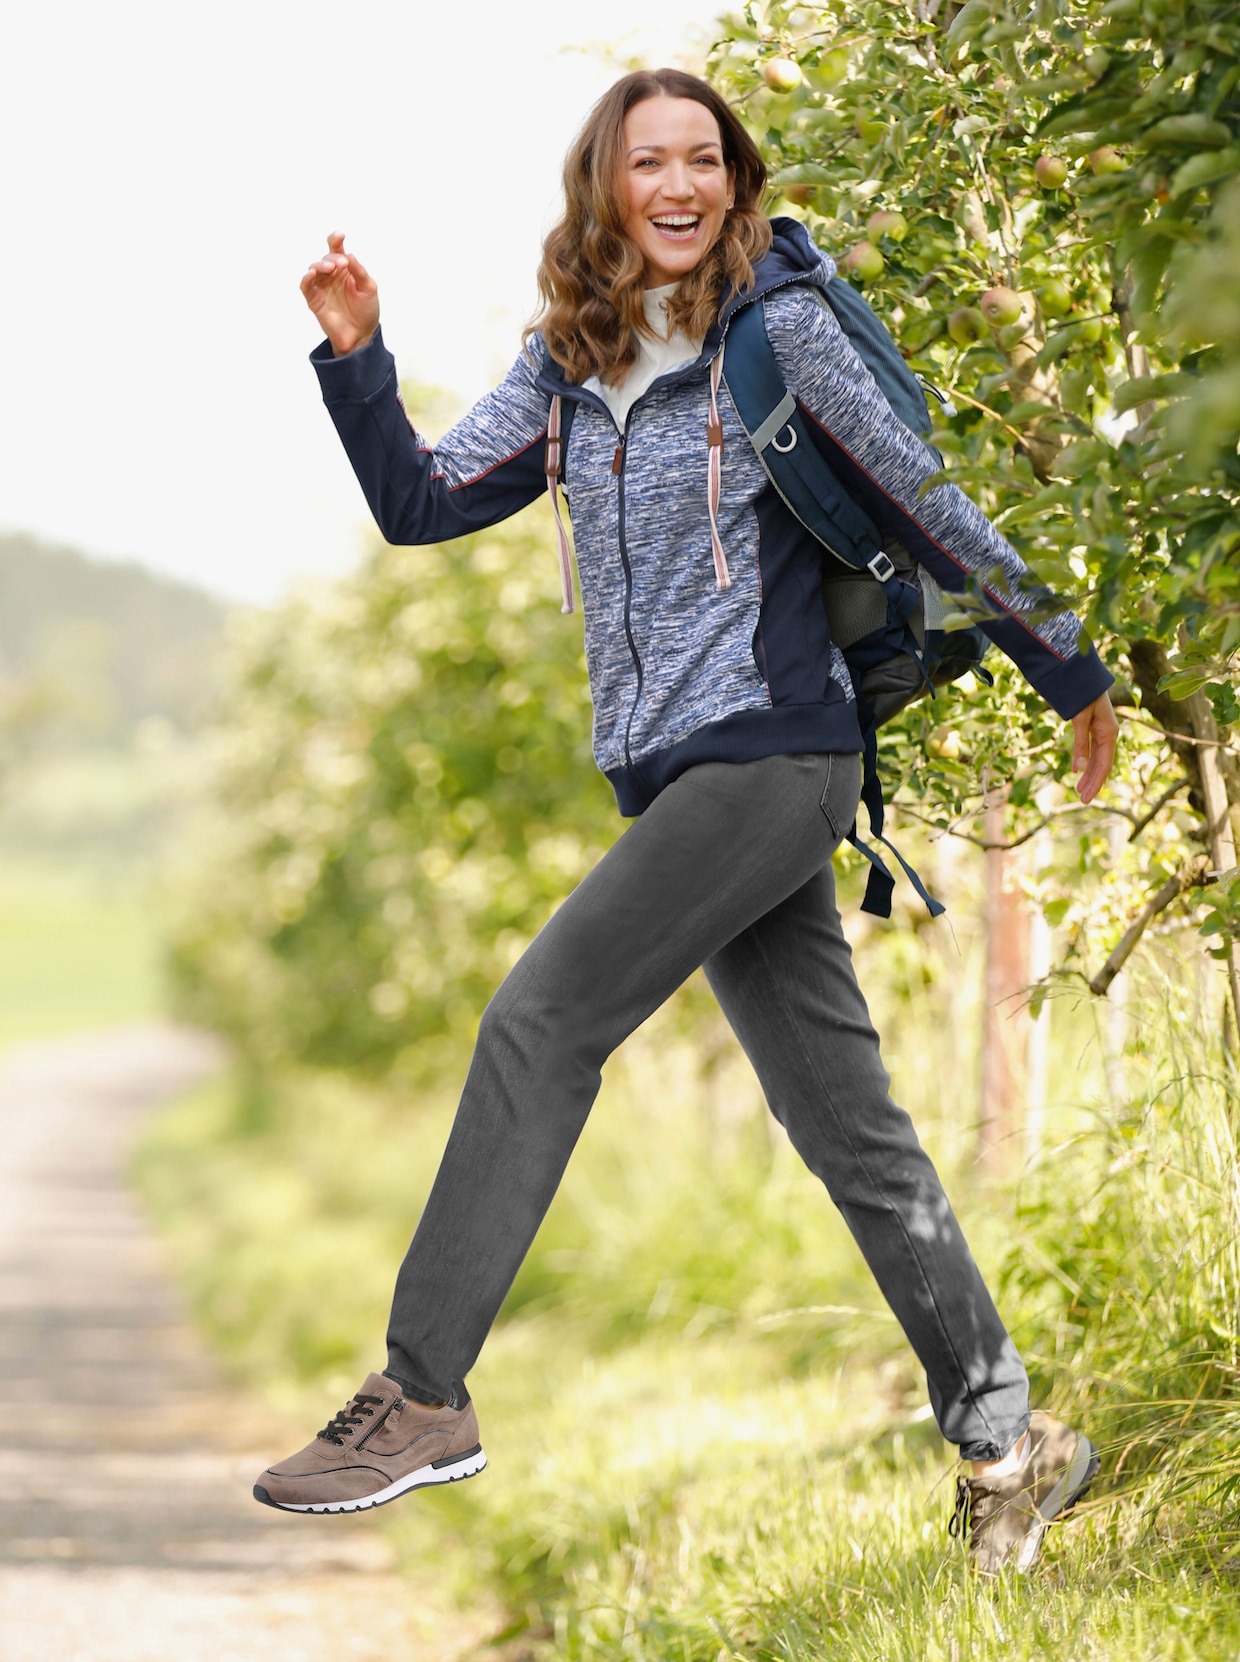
729	854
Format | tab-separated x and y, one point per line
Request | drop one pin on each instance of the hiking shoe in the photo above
381	1445
1007	1517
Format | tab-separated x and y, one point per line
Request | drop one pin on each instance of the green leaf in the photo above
1084	113
1193	129
970	20
1028	410
1183	683
1055	911
1075	459
1204	169
804	173
1143	389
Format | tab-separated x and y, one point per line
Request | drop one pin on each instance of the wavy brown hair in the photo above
591	275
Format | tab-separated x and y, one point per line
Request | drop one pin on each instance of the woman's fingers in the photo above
342	295
1094	734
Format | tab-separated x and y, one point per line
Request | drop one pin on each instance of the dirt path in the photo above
127	1531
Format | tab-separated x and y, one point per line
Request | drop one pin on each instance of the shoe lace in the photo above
337	1429
962	1516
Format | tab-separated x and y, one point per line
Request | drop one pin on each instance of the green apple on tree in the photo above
966	325
1055	298
1051	171
1106	159
782	74
888	222
864	260
1001	306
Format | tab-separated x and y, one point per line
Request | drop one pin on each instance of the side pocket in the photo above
826	804
841	792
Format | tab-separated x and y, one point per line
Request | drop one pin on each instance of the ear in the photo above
731	187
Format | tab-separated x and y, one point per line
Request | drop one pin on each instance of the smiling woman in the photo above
660	146
726	721
679	187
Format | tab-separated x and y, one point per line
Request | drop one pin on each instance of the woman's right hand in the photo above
343	296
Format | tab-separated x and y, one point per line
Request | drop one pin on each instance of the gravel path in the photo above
127	1531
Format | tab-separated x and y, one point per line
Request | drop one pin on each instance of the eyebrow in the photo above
661	149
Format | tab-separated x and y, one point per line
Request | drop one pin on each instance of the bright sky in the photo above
169	172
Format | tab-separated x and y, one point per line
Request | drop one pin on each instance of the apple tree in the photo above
1042	200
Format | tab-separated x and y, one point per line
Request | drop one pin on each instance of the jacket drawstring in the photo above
553	465
714	439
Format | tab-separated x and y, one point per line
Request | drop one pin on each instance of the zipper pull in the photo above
617	461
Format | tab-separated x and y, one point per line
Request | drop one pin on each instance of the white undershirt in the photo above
655	356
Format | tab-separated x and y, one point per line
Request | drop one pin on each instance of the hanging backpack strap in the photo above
559	421
880	885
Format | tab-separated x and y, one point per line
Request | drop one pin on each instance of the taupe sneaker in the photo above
378	1447
1007	1517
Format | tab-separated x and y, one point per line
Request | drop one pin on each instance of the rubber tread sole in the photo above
452	1470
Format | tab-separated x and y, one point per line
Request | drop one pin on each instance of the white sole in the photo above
1082	1469
439	1471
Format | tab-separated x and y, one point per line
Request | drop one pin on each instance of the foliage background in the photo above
708	1439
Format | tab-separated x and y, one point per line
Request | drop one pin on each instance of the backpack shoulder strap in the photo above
793	463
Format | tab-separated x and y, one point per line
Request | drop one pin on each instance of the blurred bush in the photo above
401	789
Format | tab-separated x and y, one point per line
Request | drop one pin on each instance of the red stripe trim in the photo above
465	483
930	537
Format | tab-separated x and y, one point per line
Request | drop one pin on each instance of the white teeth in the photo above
676	221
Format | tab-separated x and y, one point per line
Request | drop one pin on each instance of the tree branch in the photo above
1194	875
1140	824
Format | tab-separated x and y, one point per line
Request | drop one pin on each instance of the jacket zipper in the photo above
617	467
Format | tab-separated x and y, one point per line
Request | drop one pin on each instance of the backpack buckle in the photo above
881	567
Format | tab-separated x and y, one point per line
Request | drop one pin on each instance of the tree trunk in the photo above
1006	1012
1219	830
1038	1046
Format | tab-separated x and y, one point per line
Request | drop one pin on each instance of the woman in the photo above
725	719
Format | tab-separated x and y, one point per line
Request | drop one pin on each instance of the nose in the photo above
678	182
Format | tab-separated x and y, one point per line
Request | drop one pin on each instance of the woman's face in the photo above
676	188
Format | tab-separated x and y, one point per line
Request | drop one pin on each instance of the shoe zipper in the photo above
390	1412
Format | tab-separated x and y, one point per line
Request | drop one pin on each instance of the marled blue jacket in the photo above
682	672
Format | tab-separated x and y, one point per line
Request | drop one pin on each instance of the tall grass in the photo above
707	1437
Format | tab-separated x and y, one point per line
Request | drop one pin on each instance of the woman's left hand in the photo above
1094	732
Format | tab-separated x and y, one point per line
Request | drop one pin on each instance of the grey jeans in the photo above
729	868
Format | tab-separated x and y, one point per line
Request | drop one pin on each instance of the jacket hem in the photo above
747	736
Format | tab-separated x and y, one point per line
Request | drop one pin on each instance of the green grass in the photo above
76	950
707	1438
677	1501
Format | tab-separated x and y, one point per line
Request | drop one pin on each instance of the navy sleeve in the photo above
885	466
486	468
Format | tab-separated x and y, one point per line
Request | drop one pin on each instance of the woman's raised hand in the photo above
343	296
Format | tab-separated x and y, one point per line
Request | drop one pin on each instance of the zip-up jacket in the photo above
681	670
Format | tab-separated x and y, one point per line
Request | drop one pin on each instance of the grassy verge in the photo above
75	951
707	1437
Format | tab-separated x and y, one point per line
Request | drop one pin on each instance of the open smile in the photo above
676	227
